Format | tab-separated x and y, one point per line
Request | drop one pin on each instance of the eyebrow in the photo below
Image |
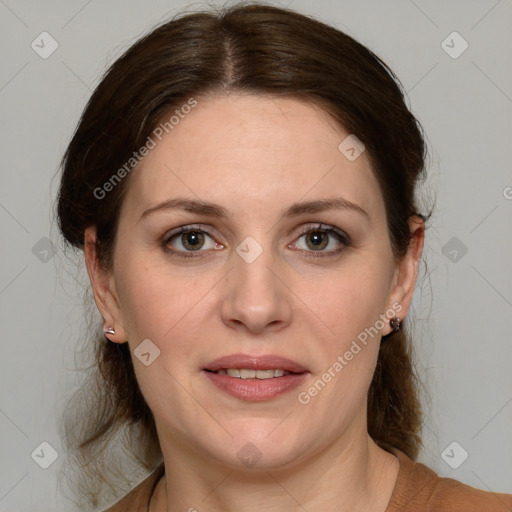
214	210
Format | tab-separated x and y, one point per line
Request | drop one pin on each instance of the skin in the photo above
255	156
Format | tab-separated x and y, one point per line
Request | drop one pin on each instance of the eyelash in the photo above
342	237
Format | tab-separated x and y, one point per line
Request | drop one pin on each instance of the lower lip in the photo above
257	390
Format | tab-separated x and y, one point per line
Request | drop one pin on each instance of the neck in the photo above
356	476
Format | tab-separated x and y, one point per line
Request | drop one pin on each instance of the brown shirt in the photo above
417	489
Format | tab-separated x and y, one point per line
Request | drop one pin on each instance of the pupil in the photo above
316	240
192	239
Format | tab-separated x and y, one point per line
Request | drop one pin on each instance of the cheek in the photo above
157	303
349	303
167	310
351	306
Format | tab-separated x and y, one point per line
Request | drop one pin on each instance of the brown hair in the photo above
256	49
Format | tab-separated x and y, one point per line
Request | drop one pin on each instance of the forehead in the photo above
244	151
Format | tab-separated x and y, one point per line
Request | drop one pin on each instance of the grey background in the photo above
463	305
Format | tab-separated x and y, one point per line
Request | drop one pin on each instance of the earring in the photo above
109	330
395	323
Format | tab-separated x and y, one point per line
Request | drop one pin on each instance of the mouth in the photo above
248	373
255	378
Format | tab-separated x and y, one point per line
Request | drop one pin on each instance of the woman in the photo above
243	187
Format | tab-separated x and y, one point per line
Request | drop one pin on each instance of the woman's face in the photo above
245	281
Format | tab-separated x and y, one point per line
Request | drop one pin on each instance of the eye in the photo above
187	240
318	238
190	239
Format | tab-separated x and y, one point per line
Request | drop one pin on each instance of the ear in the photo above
103	285
406	273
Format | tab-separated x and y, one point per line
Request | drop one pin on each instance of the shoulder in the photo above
418	488
137	500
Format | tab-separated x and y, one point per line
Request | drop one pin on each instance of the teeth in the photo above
244	373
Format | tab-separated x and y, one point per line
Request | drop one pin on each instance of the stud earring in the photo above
395	323
109	330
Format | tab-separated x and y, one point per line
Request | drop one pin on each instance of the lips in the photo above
264	362
287	377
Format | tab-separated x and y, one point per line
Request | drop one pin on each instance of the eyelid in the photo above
188	227
327	228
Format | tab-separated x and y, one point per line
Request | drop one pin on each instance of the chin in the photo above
259	452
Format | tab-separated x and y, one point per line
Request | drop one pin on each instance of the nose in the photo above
256	297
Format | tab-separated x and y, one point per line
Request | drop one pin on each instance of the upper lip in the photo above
263	362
